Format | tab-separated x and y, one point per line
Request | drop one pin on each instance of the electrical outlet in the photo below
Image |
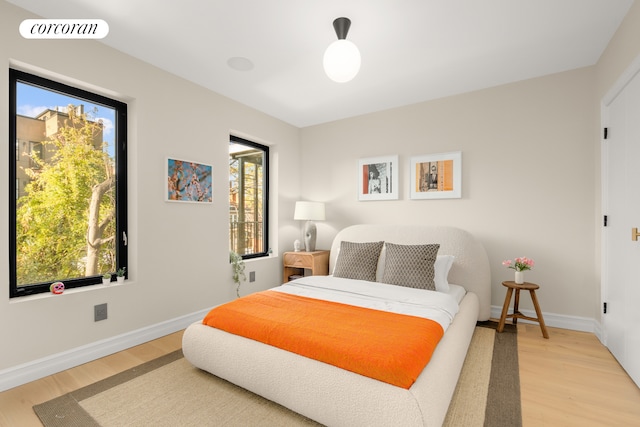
99	312
252	276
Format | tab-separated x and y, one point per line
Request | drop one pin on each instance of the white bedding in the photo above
457	292
438	306
337	397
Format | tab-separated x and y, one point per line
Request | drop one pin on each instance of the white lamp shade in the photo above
309	211
341	61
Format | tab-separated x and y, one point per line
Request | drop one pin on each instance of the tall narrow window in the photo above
68	216
248	197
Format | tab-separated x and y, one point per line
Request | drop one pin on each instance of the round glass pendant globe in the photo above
341	61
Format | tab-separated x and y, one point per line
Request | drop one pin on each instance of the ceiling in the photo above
412	50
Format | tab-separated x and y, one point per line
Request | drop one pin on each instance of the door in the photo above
621	249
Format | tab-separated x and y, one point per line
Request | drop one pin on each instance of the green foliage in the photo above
52	218
237	264
246	178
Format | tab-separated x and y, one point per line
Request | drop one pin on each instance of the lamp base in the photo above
310	236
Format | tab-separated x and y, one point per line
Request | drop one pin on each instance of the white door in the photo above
621	202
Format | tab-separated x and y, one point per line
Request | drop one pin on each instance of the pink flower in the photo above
521	264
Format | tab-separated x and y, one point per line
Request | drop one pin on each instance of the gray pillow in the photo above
358	260
410	265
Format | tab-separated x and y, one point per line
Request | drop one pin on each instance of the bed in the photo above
334	396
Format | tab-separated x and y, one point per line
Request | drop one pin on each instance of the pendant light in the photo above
342	58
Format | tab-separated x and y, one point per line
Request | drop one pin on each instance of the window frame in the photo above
265	195
120	148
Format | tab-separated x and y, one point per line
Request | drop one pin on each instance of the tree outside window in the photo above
70	211
248	195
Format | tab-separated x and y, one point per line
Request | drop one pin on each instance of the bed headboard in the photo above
470	268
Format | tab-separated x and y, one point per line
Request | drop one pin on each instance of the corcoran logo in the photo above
64	29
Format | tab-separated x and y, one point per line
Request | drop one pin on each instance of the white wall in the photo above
531	173
179	262
527	177
530	185
623	51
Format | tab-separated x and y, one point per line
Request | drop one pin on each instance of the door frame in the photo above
625	78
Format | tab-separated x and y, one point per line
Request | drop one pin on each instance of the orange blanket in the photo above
389	347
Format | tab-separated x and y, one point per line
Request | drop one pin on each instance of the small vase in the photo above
120	279
519	277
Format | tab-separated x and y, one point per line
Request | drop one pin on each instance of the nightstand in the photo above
296	262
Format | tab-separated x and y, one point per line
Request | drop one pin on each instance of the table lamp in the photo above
309	211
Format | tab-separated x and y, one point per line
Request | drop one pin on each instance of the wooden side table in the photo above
531	287
297	262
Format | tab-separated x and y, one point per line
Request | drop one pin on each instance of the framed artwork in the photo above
188	181
378	178
437	176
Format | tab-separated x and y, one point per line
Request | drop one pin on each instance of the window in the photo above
35	155
68	216
248	198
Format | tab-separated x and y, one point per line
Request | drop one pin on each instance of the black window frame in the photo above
265	195
18	76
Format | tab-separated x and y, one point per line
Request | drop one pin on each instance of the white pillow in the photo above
442	266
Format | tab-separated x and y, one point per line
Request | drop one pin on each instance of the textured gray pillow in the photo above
410	265
358	260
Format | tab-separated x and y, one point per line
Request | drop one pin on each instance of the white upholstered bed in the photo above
333	396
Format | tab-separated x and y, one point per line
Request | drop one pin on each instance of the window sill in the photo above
261	258
45	295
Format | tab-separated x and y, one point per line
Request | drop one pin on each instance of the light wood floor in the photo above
568	380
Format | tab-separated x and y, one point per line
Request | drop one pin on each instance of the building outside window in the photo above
68	214
248	197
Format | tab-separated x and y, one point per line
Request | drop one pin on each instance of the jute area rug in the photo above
169	391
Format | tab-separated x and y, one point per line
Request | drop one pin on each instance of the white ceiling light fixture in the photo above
342	58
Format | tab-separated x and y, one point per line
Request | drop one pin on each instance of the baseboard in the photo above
575	323
31	371
34	370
